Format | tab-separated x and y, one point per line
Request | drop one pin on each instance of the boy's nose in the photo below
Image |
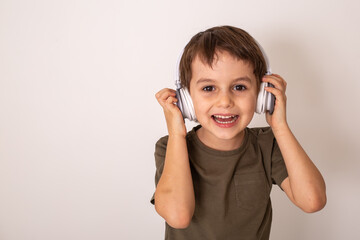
225	100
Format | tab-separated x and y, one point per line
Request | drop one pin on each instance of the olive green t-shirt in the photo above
232	188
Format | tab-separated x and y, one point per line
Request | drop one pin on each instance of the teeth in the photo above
224	117
225	122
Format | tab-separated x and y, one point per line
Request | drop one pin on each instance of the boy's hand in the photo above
277	120
174	120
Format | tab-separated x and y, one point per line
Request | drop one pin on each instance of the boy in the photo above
214	182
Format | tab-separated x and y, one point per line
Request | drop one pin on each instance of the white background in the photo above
79	120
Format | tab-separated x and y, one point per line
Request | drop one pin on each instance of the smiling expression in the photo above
224	98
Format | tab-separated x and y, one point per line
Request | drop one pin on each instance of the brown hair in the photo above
234	40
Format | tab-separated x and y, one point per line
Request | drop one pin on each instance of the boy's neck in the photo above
213	142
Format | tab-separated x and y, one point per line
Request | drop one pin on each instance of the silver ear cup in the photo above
270	100
265	101
190	105
179	103
185	104
260	106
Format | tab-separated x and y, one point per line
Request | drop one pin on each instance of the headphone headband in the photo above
268	68
177	73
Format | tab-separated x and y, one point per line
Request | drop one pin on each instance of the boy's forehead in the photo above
222	63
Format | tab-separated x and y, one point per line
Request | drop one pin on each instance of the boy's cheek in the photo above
199	109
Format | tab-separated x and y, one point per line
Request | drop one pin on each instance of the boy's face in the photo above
224	96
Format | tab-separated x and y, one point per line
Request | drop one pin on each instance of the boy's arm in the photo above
174	194
304	185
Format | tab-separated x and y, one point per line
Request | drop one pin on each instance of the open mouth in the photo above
225	119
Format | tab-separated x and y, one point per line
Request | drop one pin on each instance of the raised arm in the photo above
305	185
174	195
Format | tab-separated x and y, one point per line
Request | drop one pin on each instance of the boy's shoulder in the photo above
261	131
262	135
161	143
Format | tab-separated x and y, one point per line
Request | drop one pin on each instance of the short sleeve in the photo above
160	152
278	167
273	160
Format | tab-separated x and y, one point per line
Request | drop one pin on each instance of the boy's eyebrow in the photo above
209	80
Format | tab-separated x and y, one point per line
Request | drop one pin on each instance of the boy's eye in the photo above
239	88
208	88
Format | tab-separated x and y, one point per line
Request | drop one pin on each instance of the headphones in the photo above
265	100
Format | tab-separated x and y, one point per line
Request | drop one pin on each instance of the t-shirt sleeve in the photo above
278	167
160	151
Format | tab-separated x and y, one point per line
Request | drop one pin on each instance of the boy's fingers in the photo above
279	95
159	93
166	99
164	93
278	82
271	78
170	105
171	100
275	77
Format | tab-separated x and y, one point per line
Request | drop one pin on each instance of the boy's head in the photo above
235	41
223	67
